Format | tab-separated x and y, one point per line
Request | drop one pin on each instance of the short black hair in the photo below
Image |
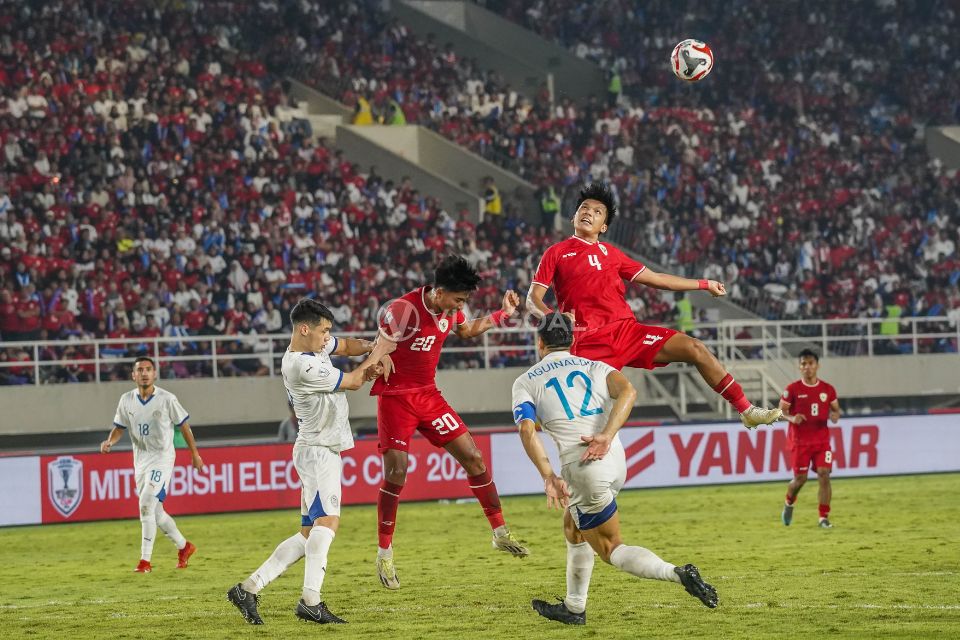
809	353
556	330
601	193
309	311
454	273
140	359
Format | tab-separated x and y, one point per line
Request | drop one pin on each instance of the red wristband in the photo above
498	317
703	284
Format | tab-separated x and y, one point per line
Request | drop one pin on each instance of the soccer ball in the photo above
691	60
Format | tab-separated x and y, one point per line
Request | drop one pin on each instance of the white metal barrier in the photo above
743	341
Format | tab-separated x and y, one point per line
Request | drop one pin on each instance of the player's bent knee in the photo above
148	505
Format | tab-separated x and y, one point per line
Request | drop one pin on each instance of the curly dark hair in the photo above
601	193
454	273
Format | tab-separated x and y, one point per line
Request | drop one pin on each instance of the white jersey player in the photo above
150	415
582	404
315	393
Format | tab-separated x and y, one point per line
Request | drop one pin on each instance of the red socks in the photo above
824	510
790	500
387	502
485	490
732	392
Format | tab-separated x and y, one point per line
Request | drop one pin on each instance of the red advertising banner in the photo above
244	478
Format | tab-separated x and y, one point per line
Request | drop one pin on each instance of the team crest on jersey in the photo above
65	484
156	414
823	397
786	393
444	324
602	248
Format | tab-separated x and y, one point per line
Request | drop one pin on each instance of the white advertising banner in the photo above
19	491
702	454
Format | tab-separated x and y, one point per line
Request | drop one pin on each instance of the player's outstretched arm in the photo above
553	486
625	396
115	434
192	444
356	378
479	326
353	347
535	304
671	282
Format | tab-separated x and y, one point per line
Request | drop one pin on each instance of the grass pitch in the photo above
889	568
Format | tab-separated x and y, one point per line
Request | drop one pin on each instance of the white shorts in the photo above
594	487
154	478
319	470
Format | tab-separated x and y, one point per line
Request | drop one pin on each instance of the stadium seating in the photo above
158	182
809	198
152	190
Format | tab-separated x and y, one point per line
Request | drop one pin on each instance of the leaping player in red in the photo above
408	399
588	279
806	405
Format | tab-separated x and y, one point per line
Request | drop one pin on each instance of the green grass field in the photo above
889	568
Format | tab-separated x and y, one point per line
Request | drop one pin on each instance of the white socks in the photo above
579	570
385	553
318	544
148	525
286	553
642	563
169	527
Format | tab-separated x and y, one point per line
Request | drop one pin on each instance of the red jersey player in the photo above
408	399
810	402
588	279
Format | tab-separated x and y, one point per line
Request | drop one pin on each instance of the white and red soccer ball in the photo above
691	60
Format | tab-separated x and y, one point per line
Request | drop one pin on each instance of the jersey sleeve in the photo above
546	268
178	414
120	420
460	318
629	268
831	393
319	377
524	407
788	395
332	345
395	321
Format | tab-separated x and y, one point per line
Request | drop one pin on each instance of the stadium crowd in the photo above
800	178
157	179
155	184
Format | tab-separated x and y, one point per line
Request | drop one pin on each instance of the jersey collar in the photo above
815	384
586	242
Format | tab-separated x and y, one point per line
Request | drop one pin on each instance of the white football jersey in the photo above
150	424
570	398
313	384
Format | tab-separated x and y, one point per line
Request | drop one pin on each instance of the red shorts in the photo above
626	343
808	456
398	416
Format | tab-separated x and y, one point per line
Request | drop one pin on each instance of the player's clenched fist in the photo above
716	289
105	446
511	300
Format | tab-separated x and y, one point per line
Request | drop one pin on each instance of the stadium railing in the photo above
55	361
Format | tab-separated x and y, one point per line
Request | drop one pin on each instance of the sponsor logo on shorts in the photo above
652	339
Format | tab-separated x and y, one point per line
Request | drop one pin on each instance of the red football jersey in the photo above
421	335
813	401
588	279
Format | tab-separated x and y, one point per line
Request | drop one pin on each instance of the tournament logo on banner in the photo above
65	484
